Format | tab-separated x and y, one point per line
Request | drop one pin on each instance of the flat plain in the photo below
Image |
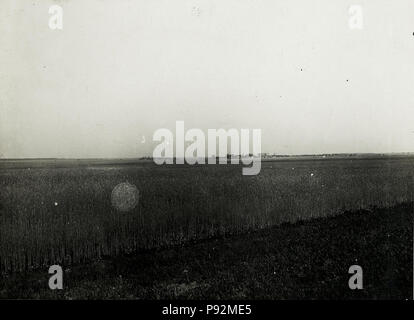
60	211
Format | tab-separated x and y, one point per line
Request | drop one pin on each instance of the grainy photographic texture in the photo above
194	149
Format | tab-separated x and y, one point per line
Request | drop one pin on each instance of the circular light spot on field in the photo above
125	196
56	204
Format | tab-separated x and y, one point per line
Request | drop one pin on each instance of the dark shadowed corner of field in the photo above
305	260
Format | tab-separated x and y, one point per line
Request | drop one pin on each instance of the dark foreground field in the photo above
65	212
304	260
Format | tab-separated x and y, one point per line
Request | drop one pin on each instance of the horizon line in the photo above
263	153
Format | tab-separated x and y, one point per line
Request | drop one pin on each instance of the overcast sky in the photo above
120	69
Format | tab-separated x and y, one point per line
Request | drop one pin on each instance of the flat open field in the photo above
60	212
304	260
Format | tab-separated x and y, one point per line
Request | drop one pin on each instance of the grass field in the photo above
304	260
60	212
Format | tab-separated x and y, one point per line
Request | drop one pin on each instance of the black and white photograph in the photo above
206	154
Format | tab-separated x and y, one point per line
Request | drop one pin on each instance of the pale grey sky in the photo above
120	69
